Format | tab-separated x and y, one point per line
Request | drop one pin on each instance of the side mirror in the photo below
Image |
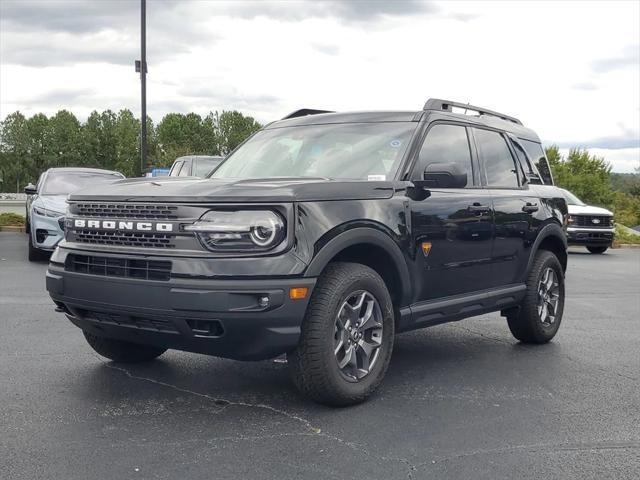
30	189
444	175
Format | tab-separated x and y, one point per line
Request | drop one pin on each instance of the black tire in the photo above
313	365
123	352
597	250
525	322
35	254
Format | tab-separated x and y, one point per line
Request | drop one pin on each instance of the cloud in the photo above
327	49
224	95
614	142
630	57
584	86
347	10
58	96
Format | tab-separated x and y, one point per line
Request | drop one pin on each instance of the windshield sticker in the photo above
376	178
395	143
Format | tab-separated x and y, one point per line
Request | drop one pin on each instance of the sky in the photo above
568	70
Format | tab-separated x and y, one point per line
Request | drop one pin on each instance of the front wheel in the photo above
538	318
123	352
347	336
34	254
597	250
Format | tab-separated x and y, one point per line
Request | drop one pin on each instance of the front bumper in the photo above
590	236
217	317
46	231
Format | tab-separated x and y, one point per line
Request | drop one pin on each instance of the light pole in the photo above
141	66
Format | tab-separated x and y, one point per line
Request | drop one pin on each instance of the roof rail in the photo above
445	105
304	112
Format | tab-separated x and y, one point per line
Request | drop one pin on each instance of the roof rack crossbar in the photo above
304	112
446	105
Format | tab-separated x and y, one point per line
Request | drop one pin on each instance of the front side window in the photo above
500	169
358	151
446	144
537	156
63	183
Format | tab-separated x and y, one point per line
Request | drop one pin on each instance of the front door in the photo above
452	229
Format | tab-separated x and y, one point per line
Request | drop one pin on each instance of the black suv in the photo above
321	237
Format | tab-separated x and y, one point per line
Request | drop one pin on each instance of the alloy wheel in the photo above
358	335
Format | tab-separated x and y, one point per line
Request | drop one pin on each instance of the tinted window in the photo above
499	167
537	156
446	144
175	169
525	163
367	151
63	183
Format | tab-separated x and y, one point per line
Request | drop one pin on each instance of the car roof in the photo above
199	157
84	170
516	129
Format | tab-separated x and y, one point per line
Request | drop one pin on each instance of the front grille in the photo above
119	267
126	210
143	323
601	221
129	239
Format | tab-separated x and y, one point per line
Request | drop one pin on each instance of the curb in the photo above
627	245
12	228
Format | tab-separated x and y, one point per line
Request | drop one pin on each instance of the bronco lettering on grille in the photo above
123	225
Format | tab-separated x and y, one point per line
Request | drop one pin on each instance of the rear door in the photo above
515	207
452	229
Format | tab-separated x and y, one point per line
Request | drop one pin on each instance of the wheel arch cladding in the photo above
553	239
371	248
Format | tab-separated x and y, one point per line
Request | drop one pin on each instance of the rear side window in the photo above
175	169
539	159
499	166
445	144
184	171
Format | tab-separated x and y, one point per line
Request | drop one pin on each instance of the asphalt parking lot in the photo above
462	400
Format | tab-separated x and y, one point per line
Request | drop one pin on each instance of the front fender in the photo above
363	236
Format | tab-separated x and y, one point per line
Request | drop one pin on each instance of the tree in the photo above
583	174
231	129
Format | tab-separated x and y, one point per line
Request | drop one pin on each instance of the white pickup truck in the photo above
589	226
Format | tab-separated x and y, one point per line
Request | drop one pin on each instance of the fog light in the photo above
263	302
298	293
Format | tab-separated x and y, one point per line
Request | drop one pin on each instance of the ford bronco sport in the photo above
321	237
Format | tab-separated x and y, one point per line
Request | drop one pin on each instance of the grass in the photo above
623	236
11	219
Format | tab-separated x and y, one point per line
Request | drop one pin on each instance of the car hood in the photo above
587	210
57	203
176	189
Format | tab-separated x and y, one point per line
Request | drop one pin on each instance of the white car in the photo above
46	204
589	226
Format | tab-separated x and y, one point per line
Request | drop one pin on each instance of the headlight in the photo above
571	219
43	212
243	230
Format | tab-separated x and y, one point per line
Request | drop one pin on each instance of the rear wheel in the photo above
538	318
597	250
347	336
123	352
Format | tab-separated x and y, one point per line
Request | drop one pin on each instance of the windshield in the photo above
572	199
202	166
63	183
367	151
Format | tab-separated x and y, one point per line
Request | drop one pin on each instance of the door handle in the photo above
530	208
478	209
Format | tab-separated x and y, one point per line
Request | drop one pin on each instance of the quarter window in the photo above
499	167
537	156
446	144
